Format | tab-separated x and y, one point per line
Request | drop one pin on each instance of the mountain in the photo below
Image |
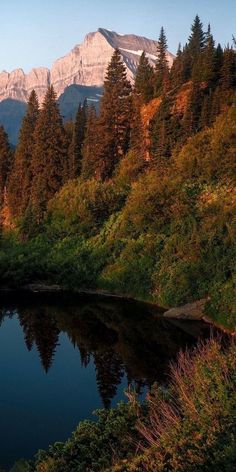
76	76
85	65
75	94
12	111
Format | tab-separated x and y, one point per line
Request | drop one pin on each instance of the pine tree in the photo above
196	42
162	68
114	121
219	57
89	149
5	162
75	149
192	117
49	163
19	187
177	73
209	60
144	80
228	70
161	133
187	63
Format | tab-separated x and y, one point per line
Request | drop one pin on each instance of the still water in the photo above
62	357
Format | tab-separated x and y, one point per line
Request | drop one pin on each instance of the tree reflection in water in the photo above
122	337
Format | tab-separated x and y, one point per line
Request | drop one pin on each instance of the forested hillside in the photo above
138	199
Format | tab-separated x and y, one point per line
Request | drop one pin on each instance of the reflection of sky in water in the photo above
36	408
60	363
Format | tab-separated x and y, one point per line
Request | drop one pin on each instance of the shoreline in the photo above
178	312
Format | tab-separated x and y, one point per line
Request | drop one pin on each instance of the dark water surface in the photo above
62	357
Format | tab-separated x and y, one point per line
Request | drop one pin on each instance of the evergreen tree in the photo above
75	149
192	117
187	63
19	187
162	68
196	42
161	133
89	149
219	56
5	162
228	70
49	163
114	121
144	80
177	73
209	60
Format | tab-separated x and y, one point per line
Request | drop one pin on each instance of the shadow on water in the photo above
119	338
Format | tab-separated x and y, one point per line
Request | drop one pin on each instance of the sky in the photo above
35	33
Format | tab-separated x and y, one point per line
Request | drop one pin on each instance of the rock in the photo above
85	65
190	311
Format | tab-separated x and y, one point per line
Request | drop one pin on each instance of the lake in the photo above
64	356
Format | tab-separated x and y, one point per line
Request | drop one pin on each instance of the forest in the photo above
138	200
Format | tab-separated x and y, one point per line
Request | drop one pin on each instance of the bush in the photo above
94	446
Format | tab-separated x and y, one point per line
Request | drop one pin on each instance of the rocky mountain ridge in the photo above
85	65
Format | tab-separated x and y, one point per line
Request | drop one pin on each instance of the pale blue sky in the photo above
36	32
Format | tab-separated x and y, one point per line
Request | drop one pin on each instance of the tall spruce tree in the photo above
196	42
114	122
90	143
20	180
228	70
209	61
75	149
219	57
5	162
162	68
49	160
177	73
144	80
161	135
192	117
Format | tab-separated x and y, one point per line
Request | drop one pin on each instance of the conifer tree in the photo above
177	73
161	132
219	56
19	187
114	122
228	70
192	117
196	42
162	68
187	63
209	60
144	80
49	163
5	162
89	149
75	149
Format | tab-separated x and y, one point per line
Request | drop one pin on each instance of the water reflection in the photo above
120	337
